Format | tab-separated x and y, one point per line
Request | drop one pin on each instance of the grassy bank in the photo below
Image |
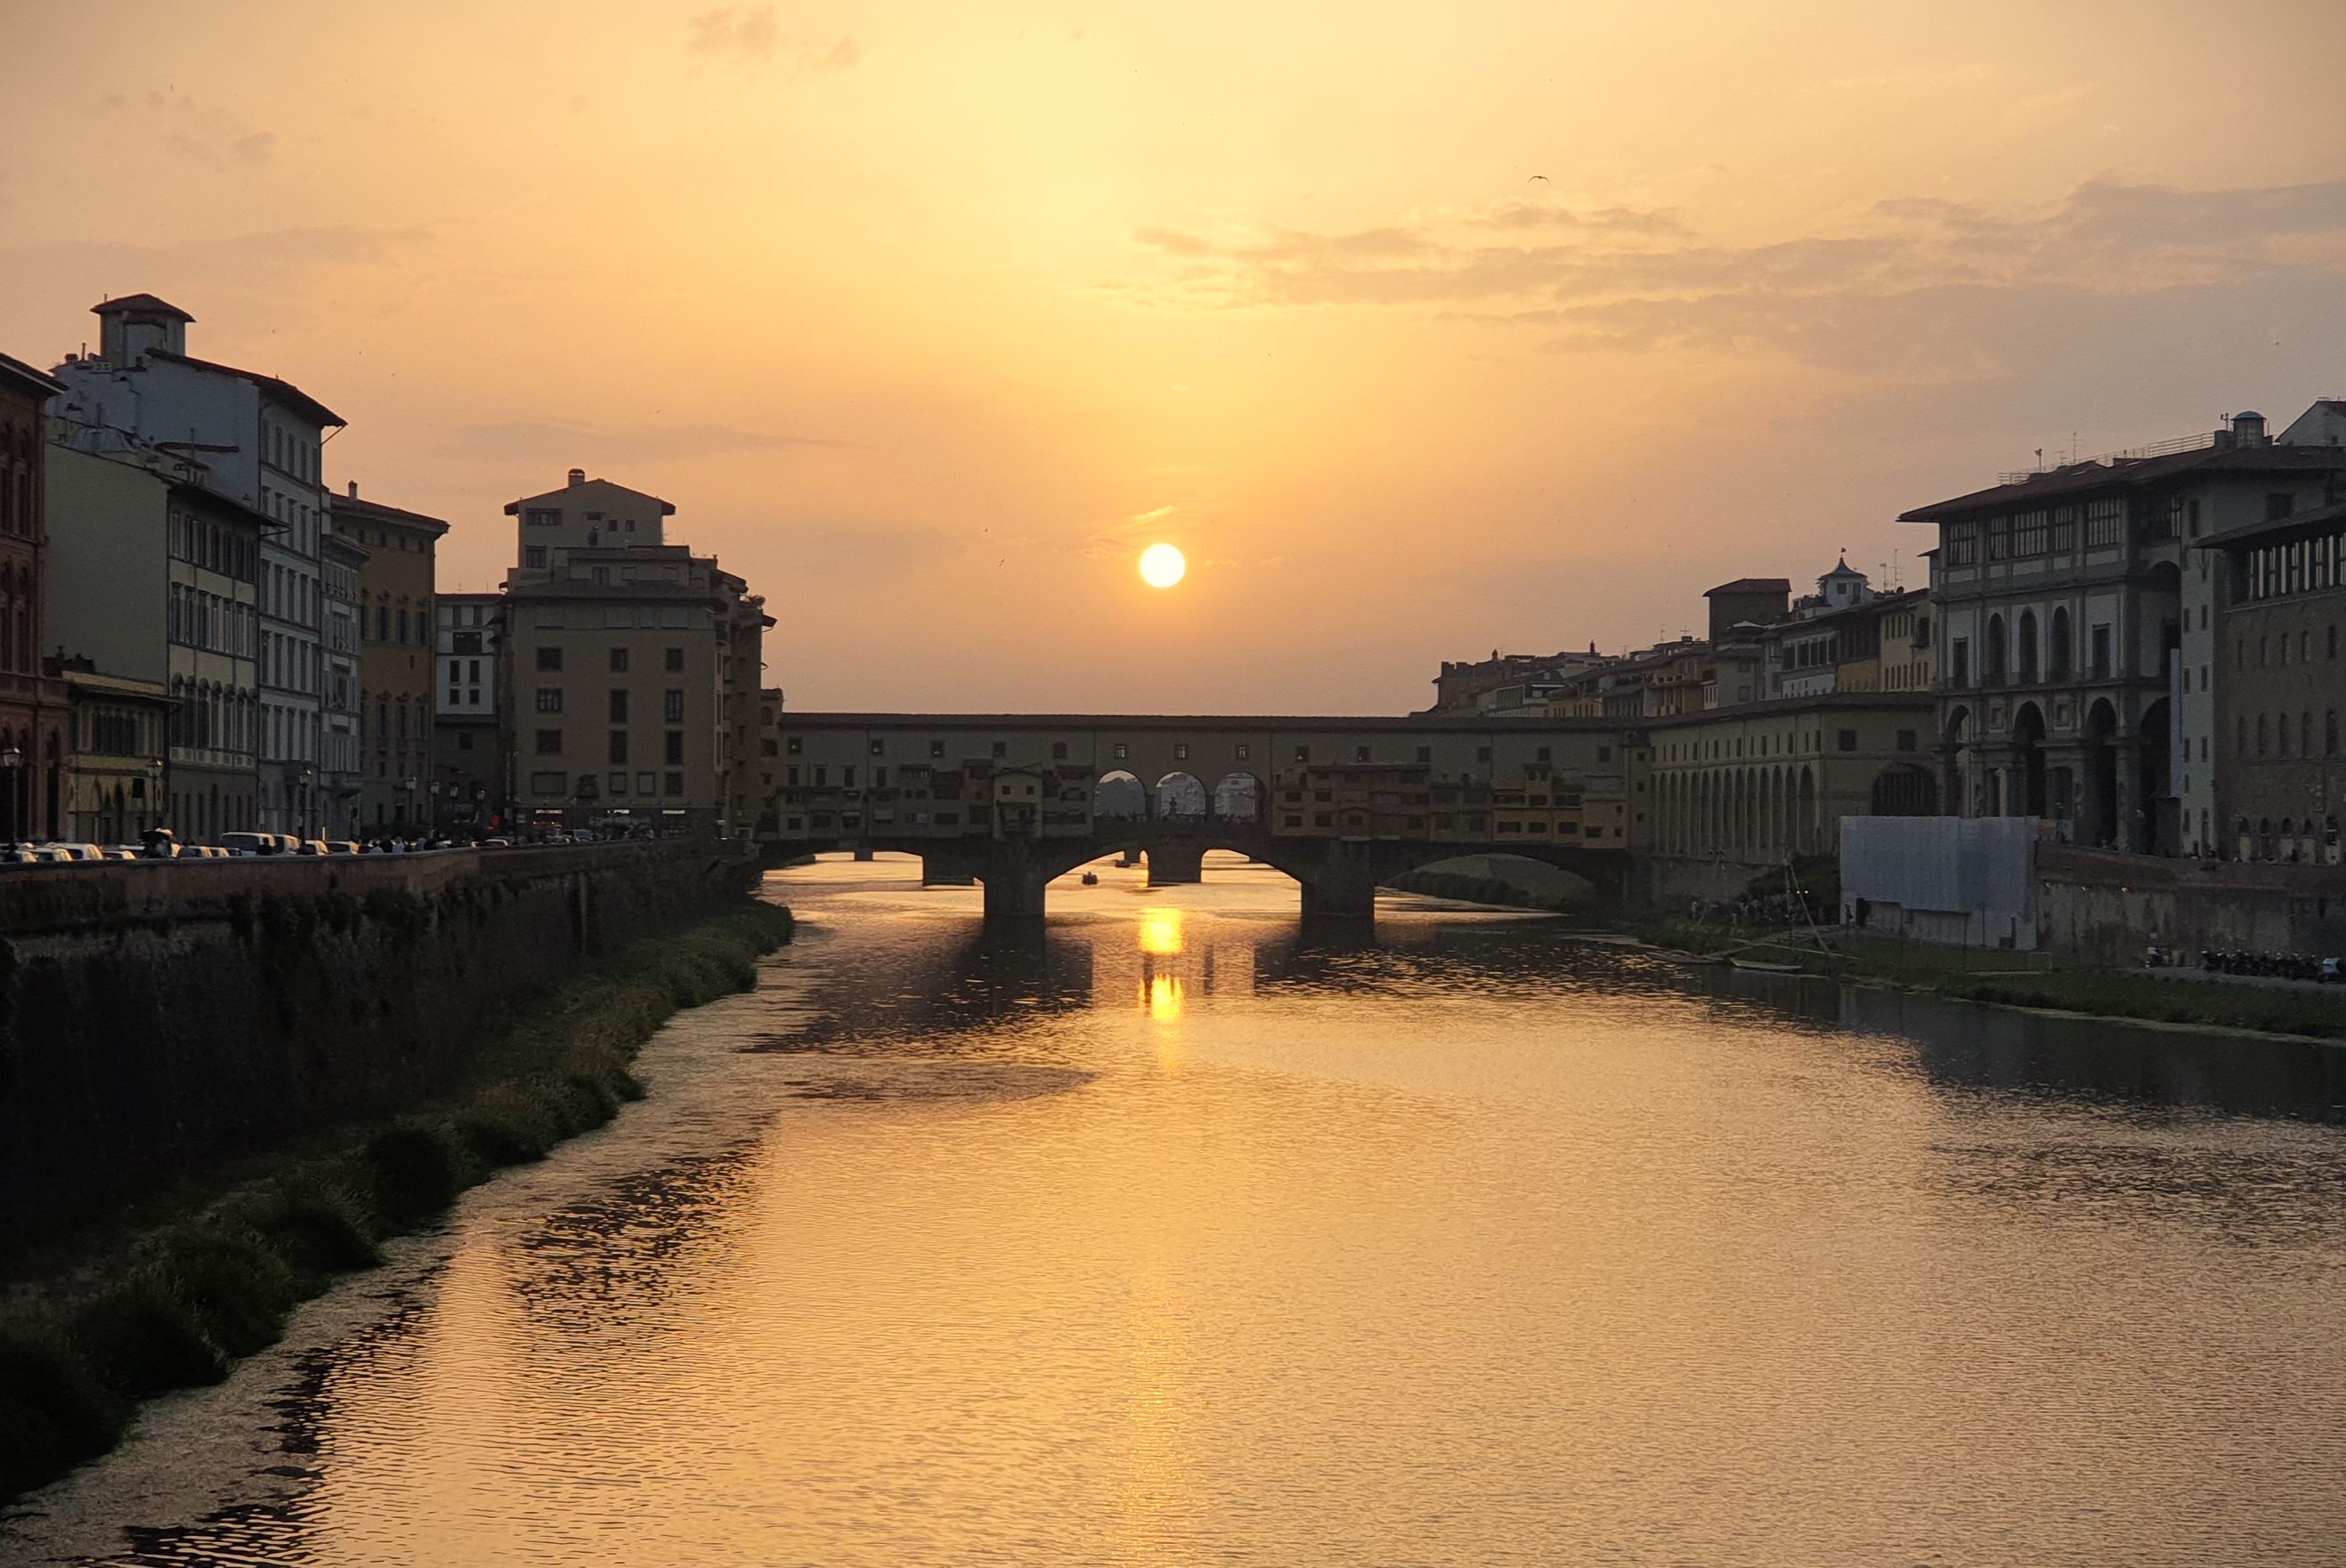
2020	978
171	1298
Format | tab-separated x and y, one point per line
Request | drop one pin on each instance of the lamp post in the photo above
154	792
309	801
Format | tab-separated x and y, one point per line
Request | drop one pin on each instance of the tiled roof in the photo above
286	392
146	303
358	510
2084	478
1752	585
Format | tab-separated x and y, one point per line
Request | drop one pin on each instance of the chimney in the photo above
354	490
2248	429
577	476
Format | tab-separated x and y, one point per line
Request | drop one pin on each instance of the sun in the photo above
1162	566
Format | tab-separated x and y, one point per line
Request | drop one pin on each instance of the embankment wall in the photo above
158	1018
2108	908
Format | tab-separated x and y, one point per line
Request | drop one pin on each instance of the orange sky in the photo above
928	315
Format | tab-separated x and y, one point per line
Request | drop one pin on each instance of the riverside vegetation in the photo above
171	1299
1999	976
2020	978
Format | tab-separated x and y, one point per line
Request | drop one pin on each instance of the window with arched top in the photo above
2028	645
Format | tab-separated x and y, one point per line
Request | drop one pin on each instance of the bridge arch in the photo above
1240	798
1181	796
1119	794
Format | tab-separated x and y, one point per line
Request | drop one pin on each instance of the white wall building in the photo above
263	440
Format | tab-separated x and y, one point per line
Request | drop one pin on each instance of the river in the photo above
1176	1234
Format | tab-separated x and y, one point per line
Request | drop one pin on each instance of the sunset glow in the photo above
1437	330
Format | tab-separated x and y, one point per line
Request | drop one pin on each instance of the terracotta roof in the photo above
286	392
140	302
2084	478
358	510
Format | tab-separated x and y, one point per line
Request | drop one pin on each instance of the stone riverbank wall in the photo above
2106	906
157	1018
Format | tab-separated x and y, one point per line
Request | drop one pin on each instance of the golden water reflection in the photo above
1178	1232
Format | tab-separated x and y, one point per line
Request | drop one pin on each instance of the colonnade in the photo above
1753	813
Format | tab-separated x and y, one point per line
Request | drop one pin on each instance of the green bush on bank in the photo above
1477	891
175	1305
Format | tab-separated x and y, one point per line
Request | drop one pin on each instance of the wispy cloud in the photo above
753	39
200	133
557	442
1624	279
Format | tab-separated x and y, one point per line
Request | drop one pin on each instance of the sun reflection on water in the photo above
1160	933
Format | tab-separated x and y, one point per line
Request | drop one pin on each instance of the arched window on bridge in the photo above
1119	794
1238	798
1180	794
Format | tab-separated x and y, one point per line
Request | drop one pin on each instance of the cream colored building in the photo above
632	695
396	637
153	579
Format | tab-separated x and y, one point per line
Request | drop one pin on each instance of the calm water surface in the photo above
1175	1234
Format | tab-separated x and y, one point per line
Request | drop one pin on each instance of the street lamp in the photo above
155	791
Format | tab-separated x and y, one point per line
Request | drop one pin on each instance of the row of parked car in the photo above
231	846
164	846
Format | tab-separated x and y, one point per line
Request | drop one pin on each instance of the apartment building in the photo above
632	670
341	564
262	442
468	749
2278	775
397	663
154	579
33	705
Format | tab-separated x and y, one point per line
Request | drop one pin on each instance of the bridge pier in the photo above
1014	882
1343	886
1171	865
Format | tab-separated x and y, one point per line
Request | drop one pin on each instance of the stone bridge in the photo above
1013	801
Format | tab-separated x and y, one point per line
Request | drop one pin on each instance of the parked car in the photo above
253	843
308	846
68	854
343	847
2333	971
